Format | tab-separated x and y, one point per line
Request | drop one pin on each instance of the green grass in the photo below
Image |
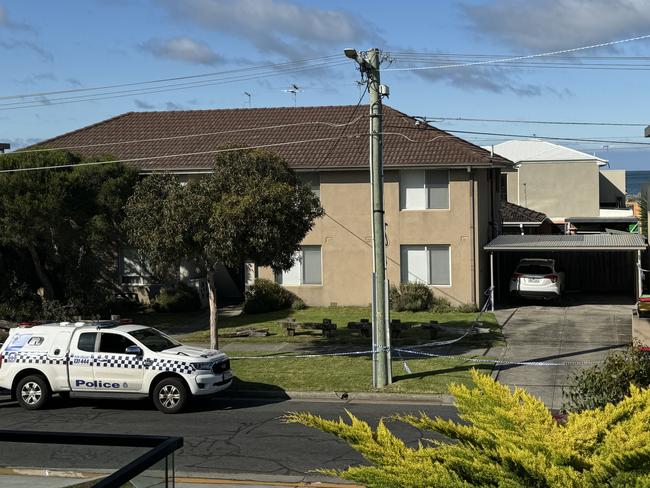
339	374
193	327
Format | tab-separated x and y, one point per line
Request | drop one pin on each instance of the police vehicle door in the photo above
56	355
80	362
114	369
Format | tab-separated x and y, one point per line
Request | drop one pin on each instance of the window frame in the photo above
94	345
300	260
309	178
142	277
426	247
98	343
425	188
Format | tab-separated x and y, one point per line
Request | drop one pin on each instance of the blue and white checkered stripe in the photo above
118	361
171	365
104	361
33	358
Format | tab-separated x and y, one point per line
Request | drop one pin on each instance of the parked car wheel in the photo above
170	395
32	392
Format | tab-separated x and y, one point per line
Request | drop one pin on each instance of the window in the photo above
426	264
312	180
424	189
114	343
87	341
134	271
503	180
154	339
306	269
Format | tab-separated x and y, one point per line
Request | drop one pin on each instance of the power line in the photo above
163	80
164	88
168	156
546	137
184	136
521	121
519	58
350	121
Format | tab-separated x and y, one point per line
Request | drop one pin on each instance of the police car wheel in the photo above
32	392
170	395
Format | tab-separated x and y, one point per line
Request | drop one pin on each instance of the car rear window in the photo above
536	269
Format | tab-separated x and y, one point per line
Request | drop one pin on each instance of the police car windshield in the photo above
154	340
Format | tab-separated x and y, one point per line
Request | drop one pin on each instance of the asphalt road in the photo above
221	436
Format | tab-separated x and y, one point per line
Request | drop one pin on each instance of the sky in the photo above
71	44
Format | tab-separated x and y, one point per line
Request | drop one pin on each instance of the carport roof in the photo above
580	242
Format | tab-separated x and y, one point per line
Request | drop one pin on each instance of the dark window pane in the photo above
114	343
87	341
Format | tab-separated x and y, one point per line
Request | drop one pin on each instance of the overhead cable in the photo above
164	88
279	66
519	58
169	156
521	121
185	136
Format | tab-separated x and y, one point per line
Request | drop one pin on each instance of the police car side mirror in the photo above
134	350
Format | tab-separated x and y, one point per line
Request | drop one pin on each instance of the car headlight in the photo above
201	366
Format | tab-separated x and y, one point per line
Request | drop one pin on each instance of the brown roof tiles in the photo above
154	134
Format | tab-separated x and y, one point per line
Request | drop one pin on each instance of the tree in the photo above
65	222
507	439
251	207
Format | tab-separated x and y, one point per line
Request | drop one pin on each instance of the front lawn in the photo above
349	374
193	328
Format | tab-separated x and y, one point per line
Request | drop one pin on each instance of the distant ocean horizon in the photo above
634	180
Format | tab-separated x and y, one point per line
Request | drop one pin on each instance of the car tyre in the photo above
170	395
32	392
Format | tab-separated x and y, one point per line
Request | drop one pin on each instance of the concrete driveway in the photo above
582	331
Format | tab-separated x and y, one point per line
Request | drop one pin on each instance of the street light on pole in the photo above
369	63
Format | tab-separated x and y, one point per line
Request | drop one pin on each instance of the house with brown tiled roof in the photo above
516	219
442	193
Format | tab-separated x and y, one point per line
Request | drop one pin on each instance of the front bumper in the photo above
209	383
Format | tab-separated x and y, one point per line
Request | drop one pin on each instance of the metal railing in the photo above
162	448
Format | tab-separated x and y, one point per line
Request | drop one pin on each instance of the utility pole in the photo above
369	63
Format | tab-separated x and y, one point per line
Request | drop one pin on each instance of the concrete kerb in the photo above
346	397
35	478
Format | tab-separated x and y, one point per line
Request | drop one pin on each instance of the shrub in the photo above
504	439
298	304
267	296
466	308
610	381
441	305
181	298
414	297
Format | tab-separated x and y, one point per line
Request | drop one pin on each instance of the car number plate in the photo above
534	280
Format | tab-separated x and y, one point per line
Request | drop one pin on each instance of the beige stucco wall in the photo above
563	189
612	186
345	236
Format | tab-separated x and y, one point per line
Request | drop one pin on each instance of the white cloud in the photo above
182	49
557	24
276	26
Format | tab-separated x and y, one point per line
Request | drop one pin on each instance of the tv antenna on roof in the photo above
250	99
294	90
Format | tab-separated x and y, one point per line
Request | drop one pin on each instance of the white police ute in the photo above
106	359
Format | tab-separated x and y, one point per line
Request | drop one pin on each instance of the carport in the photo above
593	262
